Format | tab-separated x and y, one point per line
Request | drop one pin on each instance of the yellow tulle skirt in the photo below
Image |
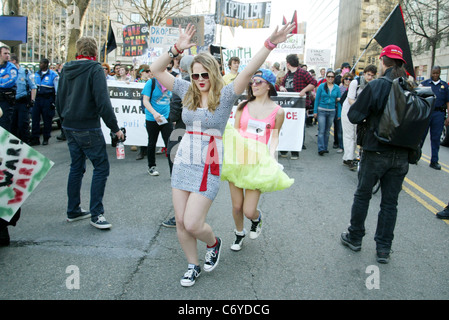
248	164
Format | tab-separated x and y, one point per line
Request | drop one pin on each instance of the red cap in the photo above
393	52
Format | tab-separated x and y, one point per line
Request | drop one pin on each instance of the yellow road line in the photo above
422	201
426	193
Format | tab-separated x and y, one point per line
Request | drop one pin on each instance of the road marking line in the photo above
423	202
426	193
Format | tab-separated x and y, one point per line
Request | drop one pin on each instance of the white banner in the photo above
294	44
125	99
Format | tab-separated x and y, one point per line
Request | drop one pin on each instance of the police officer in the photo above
46	81
25	96
8	79
436	125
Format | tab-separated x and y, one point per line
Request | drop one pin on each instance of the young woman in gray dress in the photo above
207	104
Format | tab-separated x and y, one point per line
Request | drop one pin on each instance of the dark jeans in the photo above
338	132
390	168
86	144
42	105
153	130
20	122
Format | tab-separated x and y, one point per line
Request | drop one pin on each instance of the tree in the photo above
76	11
429	20
154	12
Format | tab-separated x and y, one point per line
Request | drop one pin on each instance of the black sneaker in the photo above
443	214
82	215
212	257
170	223
100	222
351	244
190	276
238	242
383	256
256	227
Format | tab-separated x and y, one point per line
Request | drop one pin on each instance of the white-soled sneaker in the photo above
153	171
100	222
256	227
190	276
212	257
84	214
238	242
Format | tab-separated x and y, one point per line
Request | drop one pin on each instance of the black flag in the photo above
393	32
111	44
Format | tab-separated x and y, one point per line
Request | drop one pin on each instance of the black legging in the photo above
153	130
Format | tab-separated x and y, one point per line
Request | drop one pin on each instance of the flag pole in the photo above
106	43
372	38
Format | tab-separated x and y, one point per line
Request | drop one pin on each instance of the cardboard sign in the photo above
21	169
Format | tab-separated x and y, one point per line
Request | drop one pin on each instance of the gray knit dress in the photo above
201	143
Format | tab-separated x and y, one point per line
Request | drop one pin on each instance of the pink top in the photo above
257	129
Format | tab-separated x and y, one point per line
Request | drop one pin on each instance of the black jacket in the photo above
83	97
369	106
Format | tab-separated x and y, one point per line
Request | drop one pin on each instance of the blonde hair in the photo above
86	46
192	99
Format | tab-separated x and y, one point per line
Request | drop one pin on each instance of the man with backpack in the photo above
380	161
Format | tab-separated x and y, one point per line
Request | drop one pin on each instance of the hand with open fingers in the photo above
185	37
279	36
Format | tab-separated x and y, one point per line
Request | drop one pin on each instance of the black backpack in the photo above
406	115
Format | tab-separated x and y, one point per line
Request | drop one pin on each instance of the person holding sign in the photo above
207	105
248	162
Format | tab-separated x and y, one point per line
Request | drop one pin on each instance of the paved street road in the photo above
298	255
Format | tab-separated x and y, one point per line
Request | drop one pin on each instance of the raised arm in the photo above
159	67
278	36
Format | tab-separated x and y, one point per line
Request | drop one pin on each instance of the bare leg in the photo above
250	204
190	211
237	198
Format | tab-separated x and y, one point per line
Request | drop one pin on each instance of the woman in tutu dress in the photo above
249	163
196	168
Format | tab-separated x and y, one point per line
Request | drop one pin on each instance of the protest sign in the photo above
318	57
196	21
244	54
21	169
135	40
294	44
248	15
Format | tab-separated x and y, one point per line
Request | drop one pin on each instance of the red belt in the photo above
212	160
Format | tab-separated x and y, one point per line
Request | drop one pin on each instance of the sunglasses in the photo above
348	79
256	82
204	76
330	77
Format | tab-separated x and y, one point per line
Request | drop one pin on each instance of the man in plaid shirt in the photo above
297	80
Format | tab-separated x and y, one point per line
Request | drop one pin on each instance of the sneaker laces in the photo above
101	218
210	254
190	272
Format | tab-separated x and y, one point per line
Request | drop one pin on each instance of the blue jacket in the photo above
24	80
441	91
327	100
47	84
10	71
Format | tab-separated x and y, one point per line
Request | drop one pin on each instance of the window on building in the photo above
135	17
